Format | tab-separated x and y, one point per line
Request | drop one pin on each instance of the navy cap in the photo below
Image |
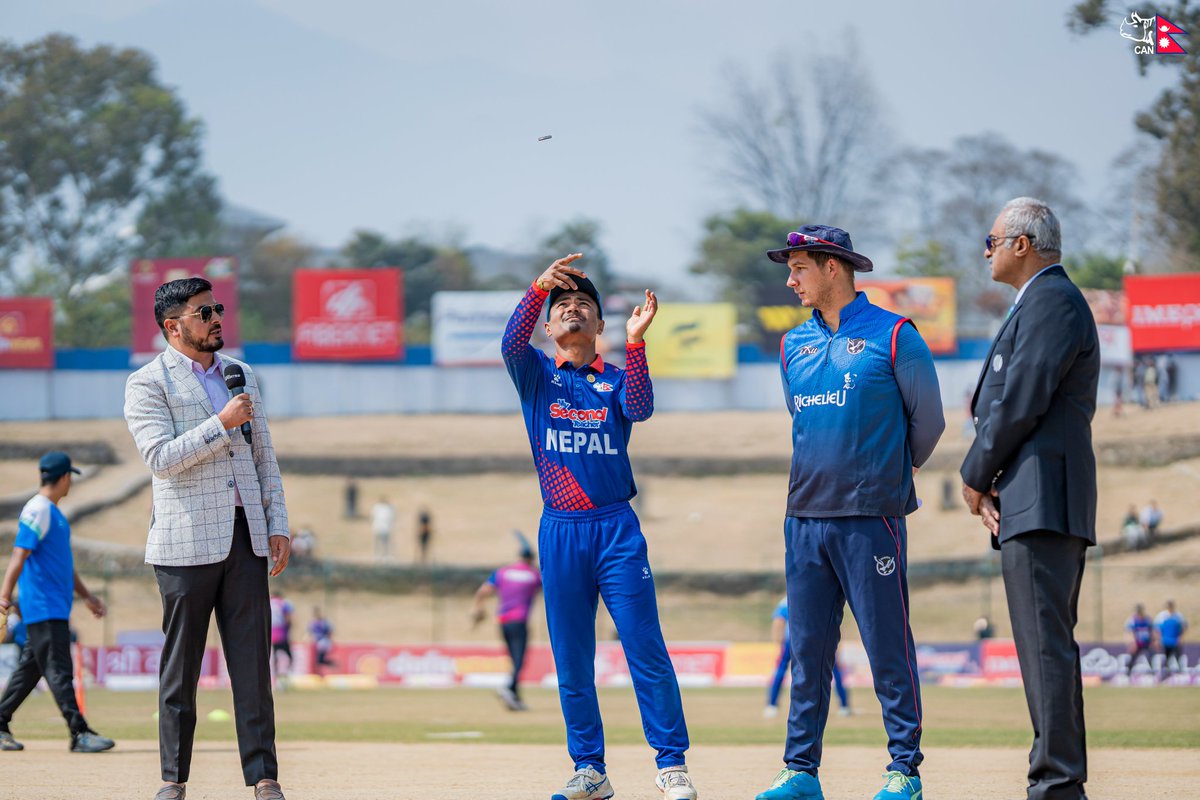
585	287
822	239
55	464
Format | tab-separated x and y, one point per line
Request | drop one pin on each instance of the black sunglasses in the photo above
204	312
991	241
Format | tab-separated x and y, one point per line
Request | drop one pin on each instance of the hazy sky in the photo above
402	116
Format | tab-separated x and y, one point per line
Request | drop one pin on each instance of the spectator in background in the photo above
1171	627
1139	381
1118	391
1150	377
304	543
984	628
424	535
383	519
1169	375
320	630
1133	534
351	510
1141	636
281	632
1151	518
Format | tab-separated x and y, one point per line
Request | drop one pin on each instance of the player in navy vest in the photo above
866	413
579	412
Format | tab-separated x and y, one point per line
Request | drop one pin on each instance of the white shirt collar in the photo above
1021	293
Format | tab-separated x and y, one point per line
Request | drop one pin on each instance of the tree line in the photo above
100	163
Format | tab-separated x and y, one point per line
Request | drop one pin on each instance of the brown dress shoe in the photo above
172	791
268	790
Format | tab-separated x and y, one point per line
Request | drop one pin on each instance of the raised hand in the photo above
560	274
640	319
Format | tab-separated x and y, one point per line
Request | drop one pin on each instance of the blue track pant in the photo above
586	555
781	671
863	560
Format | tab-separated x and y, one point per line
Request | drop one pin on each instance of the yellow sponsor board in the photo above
693	340
751	659
928	302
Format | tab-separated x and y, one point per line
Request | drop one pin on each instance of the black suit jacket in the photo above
1033	409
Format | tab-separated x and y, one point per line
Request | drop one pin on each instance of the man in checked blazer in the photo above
1031	475
218	514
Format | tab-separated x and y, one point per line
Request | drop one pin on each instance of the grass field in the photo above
1117	717
450	743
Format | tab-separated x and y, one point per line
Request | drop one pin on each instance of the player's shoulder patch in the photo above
36	515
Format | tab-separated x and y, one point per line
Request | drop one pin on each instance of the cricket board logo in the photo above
1153	35
885	565
579	417
855	346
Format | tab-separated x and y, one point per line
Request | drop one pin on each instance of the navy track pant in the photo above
862	560
586	555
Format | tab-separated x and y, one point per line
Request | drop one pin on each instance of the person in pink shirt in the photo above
516	586
281	632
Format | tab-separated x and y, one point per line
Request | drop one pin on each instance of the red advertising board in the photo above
348	314
1163	312
146	275
26	333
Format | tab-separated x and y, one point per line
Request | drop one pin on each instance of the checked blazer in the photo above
196	463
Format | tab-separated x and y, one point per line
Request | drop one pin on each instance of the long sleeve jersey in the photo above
578	420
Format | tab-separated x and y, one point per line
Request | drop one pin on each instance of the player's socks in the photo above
792	785
675	783
898	786
587	783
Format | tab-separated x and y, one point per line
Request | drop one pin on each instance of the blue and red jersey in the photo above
578	420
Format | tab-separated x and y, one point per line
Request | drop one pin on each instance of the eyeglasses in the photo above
795	239
204	312
990	241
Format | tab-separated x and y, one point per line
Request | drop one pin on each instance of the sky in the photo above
409	117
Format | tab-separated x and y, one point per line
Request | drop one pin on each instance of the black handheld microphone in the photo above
235	380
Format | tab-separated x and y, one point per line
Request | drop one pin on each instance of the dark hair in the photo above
821	257
173	295
48	480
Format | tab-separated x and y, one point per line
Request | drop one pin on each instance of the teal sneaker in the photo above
792	785
898	786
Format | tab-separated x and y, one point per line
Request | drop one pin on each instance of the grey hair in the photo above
1031	217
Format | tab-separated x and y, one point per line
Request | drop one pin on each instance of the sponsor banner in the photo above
348	314
928	302
26	333
1163	312
146	275
1116	349
693	340
468	326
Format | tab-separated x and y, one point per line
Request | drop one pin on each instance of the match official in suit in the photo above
218	514
1031	475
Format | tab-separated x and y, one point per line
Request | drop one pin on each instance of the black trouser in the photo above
516	637
236	589
1042	574
47	651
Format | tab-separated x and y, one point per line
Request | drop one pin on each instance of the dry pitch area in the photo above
691	523
453	743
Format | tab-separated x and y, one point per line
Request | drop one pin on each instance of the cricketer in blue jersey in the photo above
579	413
42	569
866	411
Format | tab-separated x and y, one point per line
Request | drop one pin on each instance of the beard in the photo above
205	345
573	326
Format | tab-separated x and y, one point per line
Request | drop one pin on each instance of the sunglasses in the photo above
795	239
204	312
990	241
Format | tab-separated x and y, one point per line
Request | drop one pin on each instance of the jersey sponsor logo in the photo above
803	401
579	442
885	565
849	380
855	346
556	379
808	350
579	417
645	573
603	386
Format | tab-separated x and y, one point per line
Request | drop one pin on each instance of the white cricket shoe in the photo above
770	712
586	784
675	784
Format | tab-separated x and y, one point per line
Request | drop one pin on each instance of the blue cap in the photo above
822	239
55	464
